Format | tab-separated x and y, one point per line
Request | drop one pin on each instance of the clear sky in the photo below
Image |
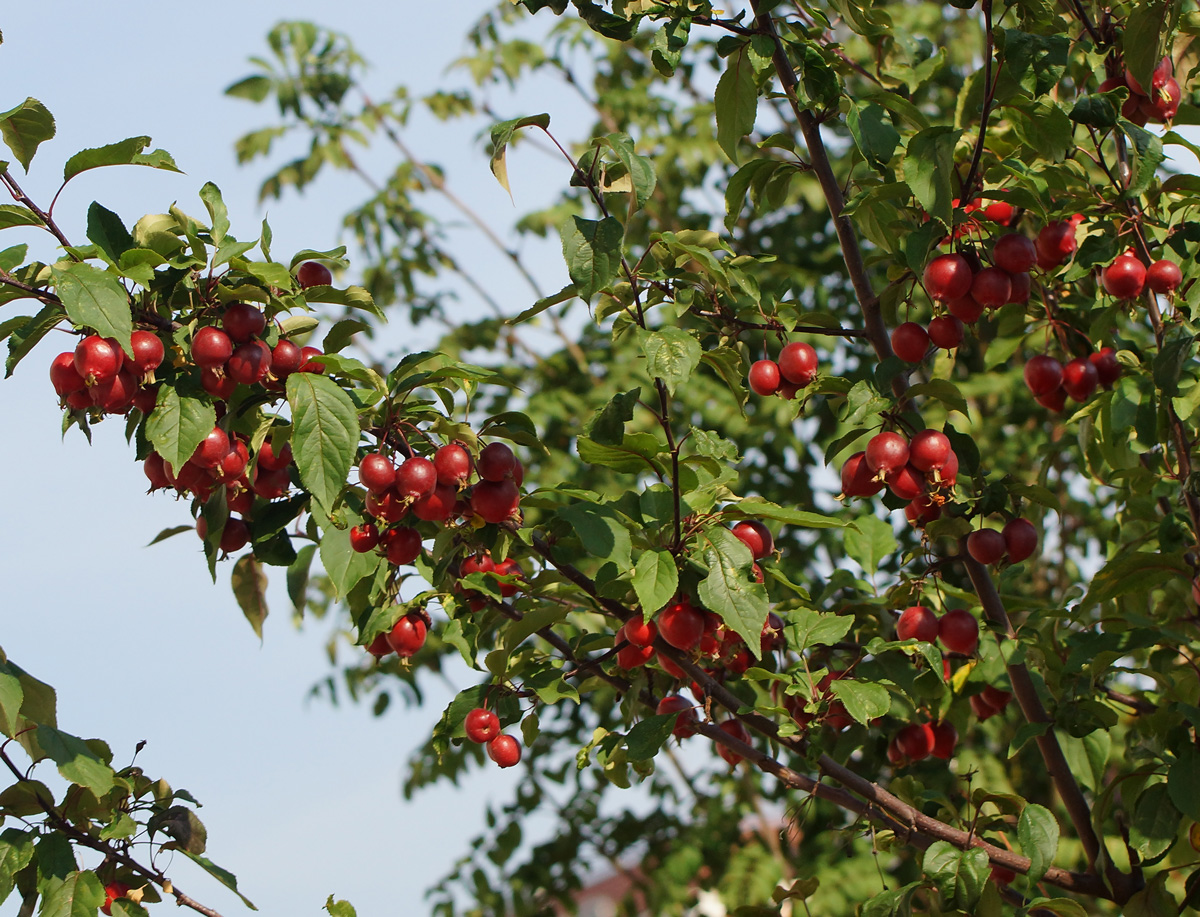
300	800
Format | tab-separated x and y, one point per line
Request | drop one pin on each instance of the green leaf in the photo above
25	128
864	701
183	826
873	133
960	875
122	153
816	628
637	454
566	293
1150	156
339	908
76	761
217	212
16	215
224	876
16	852
11	697
178	424
1155	822
1037	830
297	576
892	903
108	232
501	135
671	355
607	426
929	170
1134	571
95	299
601	532
729	589
32	330
655	580
736	101
647	737
640	169
592	249
873	541
80	894
1037	62
802	518
324	434
250	590
727	362
944	391
1183	782
1144	28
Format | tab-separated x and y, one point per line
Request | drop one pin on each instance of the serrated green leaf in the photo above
729	590
873	133
80	894
929	170
736	101
761	509
25	128
592	250
1183	782
95	299
178	424
16	852
864	701
870	542
960	875
250	589
647	737
22	340
324	434
816	628
1037	831
671	355
76	761
566	293
638	453
122	153
339	908
601	531
16	215
655	580
501	135
217	212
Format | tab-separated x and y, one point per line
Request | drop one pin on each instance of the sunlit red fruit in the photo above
756	536
286	359
376	472
857	478
886	452
437	506
452	463
249	363
407	635
481	725
402	545
113	891
243	321
640	632
986	546
681	624
947	277
1164	276
1080	379
1124	278
764	377
1020	540
148	352
917	623
98	359
494	501
313	274
1056	242
504	750
929	449
735	729
1043	374
496	462
415	477
685	719
364	538
958	631
910	341
798	363
211	347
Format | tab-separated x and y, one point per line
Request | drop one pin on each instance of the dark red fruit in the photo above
764	377
1021	286
798	363
98	359
1043	374
986	546
249	363
756	536
681	625
946	331
1108	370
115	395
235	535
310	361
217	384
1080	379
995	698
285	359
945	737
981	708
992	287
270	484
929	449
886	452
857	480
947	277
415	477
481	725
211	347
146	398
495	501
736	730
437	506
1162	72
379	647
402	545
376	472
685	720
1163	104
906	483
407	635
915	741
313	274
148	352
1164	276
63	375
496	462
999	212
504	750
1014	253
922	510
1056	242
364	538
212	448
631	656
1020	539
1055	400
958	631
1124	278
966	309
452	464
243	321
910	341
640	632
272	461
917	623
509	567
156	471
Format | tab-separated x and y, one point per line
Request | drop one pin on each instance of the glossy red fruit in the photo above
270	484
906	483
958	631
947	474
1163	104
995	698
285	359
1108	369
156	471
98	359
946	331
1164	276
217	384
640	632
981	708
63	375
270	459
211	347
681	624
1055	243
115	395
857	479
1080	379
452	463
195	479
929	449
631	656
212	448
915	741
376	472
379	647
945	737
481	725
966	309
243	321
922	510
1021	287
917	623
685	719
992	287
1014	253
947	277
415	477
235	535
736	730
1054	401
496	462
364	538
910	341
756	536
504	750
1000	212
509	567
387	506
986	546
148	352
310	360
249	363
407	635
886	452
1162	72
1124	278
402	545
1020	540
113	891
495	501
239	497
764	377
313	274
1043	374
146	398
437	506
476	563
798	363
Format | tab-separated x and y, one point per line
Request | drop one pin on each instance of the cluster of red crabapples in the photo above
795	369
919	470
1159	105
482	726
